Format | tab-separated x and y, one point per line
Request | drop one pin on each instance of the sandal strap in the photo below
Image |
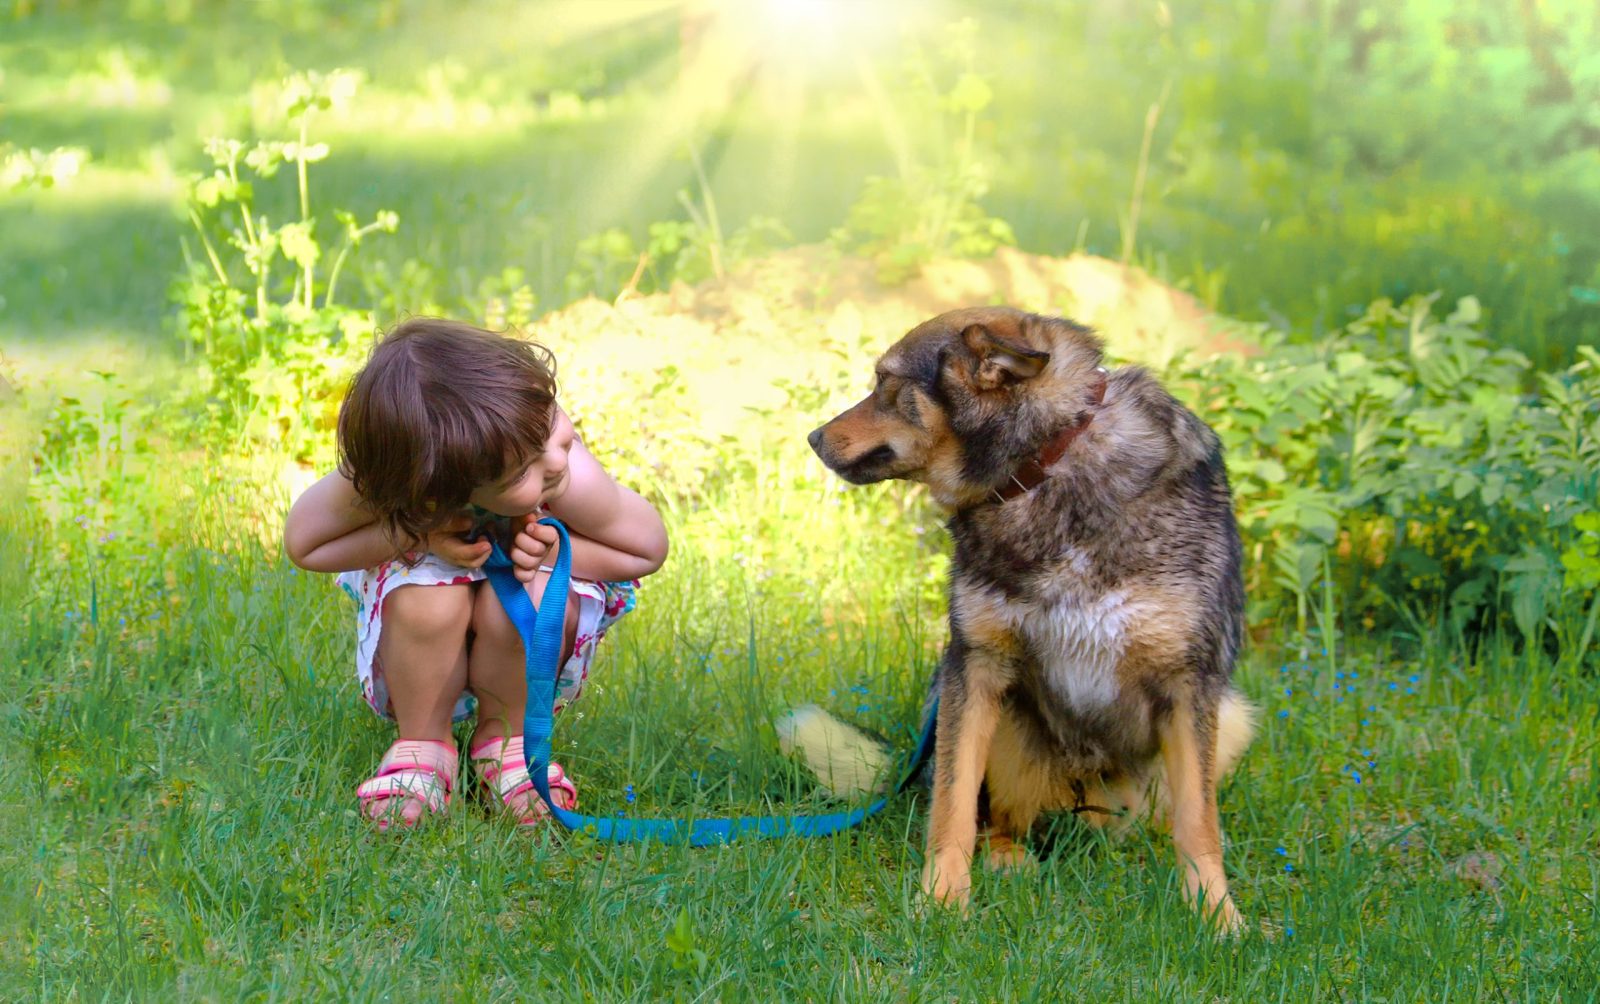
431	754
414	768
502	765
421	785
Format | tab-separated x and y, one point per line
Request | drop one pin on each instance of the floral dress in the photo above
600	605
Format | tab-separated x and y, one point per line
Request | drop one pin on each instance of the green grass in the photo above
184	737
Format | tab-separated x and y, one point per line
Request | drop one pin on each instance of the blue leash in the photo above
541	630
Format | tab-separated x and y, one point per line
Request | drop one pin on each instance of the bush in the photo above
1411	468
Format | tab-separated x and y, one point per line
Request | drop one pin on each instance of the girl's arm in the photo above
329	530
616	534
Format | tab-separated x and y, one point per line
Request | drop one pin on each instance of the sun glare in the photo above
749	63
815	38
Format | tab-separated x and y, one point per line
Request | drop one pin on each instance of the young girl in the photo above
443	417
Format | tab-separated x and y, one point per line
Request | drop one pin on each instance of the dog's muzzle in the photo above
872	466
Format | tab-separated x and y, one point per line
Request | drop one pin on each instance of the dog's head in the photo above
961	399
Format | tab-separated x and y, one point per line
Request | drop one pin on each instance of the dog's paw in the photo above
1226	921
948	882
1009	858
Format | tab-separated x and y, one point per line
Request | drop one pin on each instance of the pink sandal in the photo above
413	770
503	769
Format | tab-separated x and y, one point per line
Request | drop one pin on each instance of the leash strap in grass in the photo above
542	630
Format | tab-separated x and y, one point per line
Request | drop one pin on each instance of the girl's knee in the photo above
490	622
489	619
429	611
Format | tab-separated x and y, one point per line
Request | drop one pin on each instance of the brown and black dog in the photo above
1096	600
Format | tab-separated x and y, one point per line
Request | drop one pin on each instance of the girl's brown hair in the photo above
441	409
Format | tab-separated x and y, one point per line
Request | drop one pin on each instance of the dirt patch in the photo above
806	314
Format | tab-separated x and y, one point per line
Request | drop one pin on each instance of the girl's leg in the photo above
497	675
496	667
423	652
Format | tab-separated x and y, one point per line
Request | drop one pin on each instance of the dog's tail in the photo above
1236	726
847	761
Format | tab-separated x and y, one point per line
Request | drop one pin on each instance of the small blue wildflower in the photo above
1335	686
1413	678
1354	675
294	571
1366	752
1355	775
627	792
1338	676
862	709
1372	707
1288	868
1394	686
1365	721
1284	668
1410	691
1288	691
1284	713
1281	852
1288	932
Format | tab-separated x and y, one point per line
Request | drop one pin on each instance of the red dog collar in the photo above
1032	473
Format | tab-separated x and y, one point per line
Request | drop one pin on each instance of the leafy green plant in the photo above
1419	456
506	300
97	470
602	263
271	355
930	207
688	250
1581	560
35	168
681	942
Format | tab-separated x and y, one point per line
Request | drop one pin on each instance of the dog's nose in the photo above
815	439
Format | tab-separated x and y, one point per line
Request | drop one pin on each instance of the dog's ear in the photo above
1000	361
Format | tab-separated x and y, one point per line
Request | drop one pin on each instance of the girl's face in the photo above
541	481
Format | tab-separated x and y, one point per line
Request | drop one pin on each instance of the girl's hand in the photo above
533	541
446	542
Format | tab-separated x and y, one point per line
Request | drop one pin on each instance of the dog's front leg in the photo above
1188	751
969	707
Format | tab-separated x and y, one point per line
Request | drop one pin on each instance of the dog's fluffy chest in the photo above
1077	640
